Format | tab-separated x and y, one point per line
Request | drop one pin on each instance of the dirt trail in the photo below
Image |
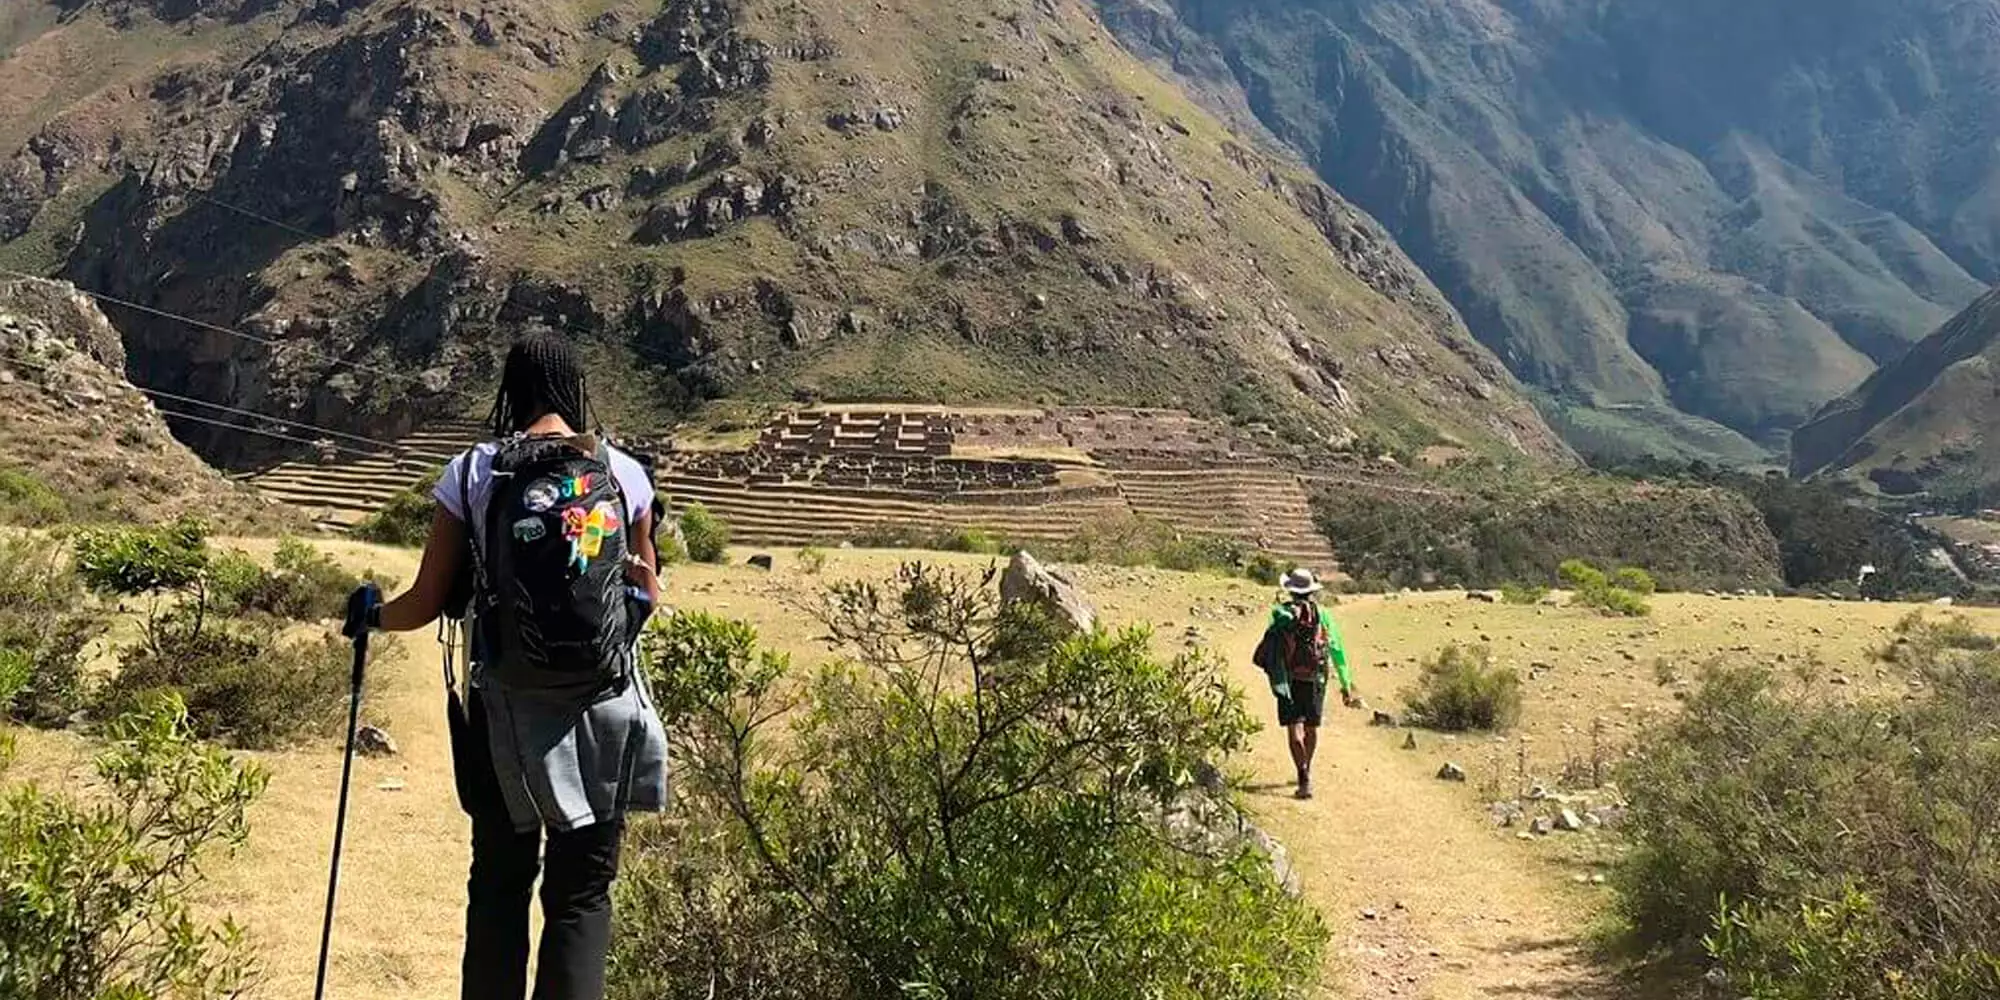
1458	909
1481	913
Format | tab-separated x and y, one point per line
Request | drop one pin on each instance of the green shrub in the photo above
1460	689
26	500
974	540
1592	589
234	578
705	535
1800	845
1519	593
1581	576
1634	580
242	682
46	627
1265	568
812	560
968	806
143	560
304	585
405	519
96	897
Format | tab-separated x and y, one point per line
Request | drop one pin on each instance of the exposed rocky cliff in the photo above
75	424
362	199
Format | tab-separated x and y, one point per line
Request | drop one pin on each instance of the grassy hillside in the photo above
1697	215
1924	423
757	200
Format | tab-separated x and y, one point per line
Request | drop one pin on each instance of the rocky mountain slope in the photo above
1686	223
766	199
1925	422
75	424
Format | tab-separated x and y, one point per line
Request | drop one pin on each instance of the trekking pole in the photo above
340	814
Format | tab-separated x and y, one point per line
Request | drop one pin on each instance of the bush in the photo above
973	540
1813	849
971	805
1581	576
45	629
234	578
405	519
241	683
143	560
1591	589
1517	593
1634	580
26	500
1460	689
812	560
705	535
304	585
94	894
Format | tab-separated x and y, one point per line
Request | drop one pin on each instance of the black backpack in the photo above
549	569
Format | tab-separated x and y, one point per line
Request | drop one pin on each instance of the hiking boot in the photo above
1305	787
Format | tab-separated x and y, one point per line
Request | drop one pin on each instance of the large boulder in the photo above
1026	579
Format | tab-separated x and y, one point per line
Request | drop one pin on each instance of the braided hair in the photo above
543	374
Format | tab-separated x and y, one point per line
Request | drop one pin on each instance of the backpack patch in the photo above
541	497
586	532
530	529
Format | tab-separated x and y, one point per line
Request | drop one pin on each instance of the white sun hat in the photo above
1300	581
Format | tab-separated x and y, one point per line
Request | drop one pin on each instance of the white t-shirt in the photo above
450	493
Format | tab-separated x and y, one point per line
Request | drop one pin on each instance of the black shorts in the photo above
1307	703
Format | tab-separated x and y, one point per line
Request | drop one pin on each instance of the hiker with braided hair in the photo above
545	537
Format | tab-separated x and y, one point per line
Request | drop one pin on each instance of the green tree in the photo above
968	805
95	891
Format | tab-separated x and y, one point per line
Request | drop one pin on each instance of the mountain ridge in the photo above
1924	423
1716	217
751	199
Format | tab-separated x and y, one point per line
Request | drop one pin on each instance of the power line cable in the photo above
76	397
270	434
269	342
298	424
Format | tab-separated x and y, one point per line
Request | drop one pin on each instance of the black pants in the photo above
577	869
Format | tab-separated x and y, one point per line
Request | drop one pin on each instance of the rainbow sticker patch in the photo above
587	530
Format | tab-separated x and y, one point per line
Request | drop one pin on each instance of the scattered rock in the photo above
1451	772
1569	820
390	785
1409	741
1481	596
1540	826
1026	579
761	560
372	741
1383	719
1368	914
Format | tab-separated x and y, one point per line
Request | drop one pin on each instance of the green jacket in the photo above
1270	655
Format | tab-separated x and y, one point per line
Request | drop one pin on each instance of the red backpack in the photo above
1306	644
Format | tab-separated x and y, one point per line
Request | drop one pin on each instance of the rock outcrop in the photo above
77	425
1026	580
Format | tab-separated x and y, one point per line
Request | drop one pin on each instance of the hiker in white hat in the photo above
1298	646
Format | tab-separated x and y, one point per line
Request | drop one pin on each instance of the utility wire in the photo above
297	424
270	434
269	342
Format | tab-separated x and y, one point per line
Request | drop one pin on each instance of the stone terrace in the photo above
819	476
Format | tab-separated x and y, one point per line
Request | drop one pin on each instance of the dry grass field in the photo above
1427	895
